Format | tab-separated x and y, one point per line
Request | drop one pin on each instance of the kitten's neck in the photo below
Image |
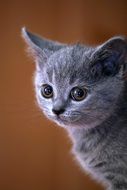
89	138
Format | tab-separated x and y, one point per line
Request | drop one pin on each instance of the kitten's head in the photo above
75	85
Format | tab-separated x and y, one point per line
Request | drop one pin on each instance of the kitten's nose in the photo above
58	111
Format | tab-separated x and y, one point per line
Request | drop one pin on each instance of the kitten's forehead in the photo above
69	65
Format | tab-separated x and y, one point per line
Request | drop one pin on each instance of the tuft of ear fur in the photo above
40	48
34	49
111	57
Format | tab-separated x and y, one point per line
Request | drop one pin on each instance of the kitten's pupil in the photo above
46	91
78	93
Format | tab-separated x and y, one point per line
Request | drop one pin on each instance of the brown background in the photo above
35	154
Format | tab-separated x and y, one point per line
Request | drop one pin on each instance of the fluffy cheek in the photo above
44	105
46	108
97	110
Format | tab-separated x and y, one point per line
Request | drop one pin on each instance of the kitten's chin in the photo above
73	122
68	123
65	122
62	122
76	124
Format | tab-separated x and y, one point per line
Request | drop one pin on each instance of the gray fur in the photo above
97	124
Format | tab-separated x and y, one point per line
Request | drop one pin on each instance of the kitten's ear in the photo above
111	57
40	48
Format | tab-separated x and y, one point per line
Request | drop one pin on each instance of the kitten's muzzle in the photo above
58	111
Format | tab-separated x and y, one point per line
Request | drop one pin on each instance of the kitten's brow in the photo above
50	74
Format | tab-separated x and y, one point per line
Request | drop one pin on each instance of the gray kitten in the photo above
84	89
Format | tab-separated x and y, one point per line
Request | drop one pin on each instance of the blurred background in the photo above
34	153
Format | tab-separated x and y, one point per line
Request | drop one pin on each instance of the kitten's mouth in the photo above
67	118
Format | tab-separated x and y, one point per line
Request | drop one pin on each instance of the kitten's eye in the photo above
46	91
78	94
